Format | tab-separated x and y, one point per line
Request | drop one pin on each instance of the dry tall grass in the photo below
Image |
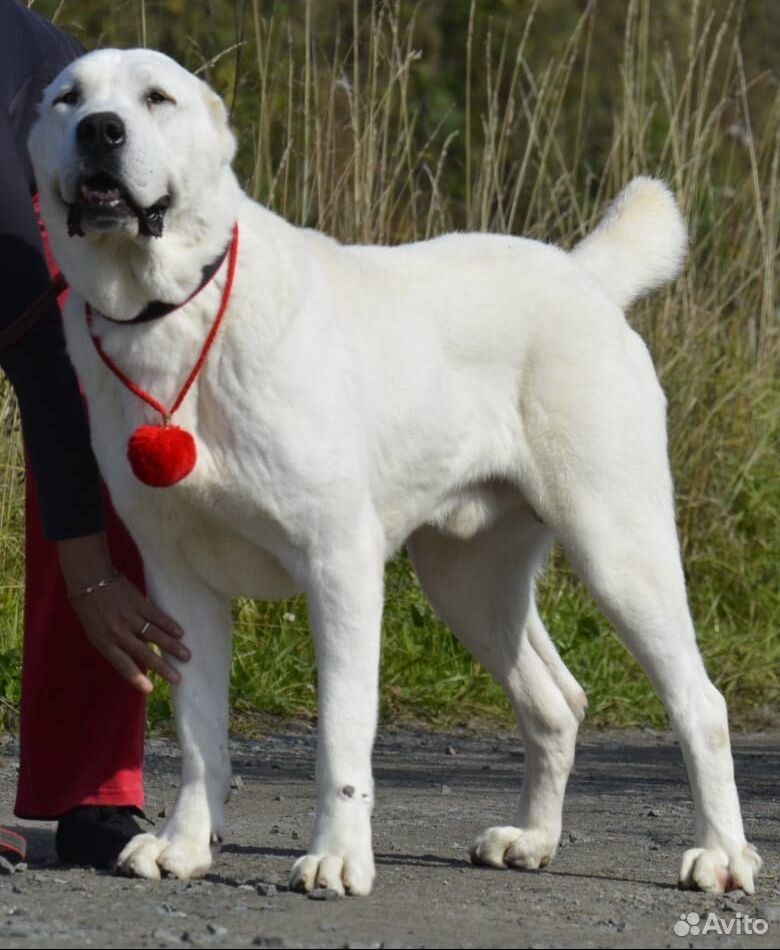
335	134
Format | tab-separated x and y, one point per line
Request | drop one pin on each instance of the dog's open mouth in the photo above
103	204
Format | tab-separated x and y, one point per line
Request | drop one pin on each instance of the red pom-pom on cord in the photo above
161	455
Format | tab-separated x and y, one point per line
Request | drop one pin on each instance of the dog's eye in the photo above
154	97
71	97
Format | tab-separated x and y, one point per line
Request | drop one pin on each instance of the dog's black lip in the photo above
118	203
103	182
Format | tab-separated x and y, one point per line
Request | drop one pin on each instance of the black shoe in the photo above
93	835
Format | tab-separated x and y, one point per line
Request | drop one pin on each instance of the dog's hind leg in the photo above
483	589
626	552
183	848
547	652
609	501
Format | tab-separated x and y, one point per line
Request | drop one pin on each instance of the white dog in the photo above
474	396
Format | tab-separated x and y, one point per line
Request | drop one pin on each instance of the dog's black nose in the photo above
100	132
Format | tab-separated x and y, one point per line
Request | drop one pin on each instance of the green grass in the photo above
406	120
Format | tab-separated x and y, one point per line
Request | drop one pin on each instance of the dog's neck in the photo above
130	274
157	309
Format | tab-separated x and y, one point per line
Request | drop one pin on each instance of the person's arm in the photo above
117	619
56	436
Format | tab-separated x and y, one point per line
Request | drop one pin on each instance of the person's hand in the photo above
117	619
121	624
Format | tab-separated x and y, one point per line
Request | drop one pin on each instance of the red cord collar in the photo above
164	454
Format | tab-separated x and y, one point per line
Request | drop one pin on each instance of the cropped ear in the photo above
219	118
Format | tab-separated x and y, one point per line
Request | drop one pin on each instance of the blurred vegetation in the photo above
392	121
460	59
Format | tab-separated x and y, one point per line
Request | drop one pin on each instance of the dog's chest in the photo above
231	563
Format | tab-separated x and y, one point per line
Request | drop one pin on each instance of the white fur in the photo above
640	243
475	396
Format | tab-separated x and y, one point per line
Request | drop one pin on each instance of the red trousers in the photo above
82	725
81	732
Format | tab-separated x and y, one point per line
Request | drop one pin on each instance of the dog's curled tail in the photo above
639	244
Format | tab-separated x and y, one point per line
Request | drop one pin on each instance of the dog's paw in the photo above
151	856
344	874
509	847
714	871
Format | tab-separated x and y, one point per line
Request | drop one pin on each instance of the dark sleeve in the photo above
53	420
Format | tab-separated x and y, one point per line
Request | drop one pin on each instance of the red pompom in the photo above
161	455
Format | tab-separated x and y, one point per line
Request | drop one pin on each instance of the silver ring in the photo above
145	628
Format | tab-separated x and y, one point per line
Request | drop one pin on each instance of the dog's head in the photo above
131	149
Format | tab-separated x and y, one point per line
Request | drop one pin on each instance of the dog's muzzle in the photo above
102	202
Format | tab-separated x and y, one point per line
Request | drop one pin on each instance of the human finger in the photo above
151	632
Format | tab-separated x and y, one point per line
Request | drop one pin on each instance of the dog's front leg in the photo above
345	604
184	846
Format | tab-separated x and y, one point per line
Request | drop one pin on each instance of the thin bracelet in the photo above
99	585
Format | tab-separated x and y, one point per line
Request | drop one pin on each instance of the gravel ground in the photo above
627	818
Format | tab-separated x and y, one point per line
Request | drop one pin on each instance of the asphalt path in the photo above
627	820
